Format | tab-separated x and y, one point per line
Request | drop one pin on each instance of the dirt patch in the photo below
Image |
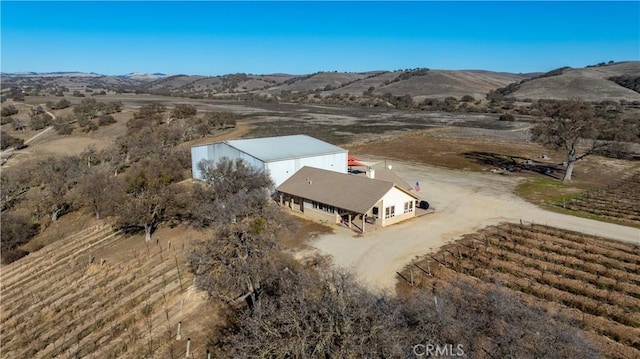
241	129
305	231
71	145
432	148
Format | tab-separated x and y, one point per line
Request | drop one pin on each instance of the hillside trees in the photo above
56	178
148	191
7	141
90	108
182	111
63	125
145	208
8	111
62	104
308	314
39	120
14	184
571	126
16	230
99	190
232	264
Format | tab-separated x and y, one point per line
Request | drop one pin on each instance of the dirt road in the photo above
9	151
464	202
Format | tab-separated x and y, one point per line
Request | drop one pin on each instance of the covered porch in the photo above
356	221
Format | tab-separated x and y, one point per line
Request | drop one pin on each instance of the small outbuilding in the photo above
280	156
356	201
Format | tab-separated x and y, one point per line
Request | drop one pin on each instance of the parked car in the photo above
423	204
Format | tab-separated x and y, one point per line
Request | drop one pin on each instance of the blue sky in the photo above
214	38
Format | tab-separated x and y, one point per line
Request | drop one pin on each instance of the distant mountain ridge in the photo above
132	75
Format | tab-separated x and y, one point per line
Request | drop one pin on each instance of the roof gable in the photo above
353	193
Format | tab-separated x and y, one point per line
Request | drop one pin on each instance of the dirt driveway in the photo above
464	202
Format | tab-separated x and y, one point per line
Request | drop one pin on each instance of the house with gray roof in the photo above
357	201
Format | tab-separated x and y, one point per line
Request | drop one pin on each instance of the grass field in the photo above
590	282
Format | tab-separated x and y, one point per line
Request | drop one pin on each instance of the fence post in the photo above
179	332
188	345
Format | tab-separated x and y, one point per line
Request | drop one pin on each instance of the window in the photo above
323	207
408	207
390	212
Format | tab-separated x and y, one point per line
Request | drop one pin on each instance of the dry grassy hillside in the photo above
375	79
319	81
174	82
591	83
441	84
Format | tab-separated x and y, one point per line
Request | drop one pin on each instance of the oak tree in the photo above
572	127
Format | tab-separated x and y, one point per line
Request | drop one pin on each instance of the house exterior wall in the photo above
280	171
311	212
215	152
397	198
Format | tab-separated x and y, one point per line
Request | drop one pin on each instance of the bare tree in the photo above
145	209
16	230
182	111
99	190
57	177
231	265
310	316
571	126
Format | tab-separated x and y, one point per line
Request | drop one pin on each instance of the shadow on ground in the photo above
515	163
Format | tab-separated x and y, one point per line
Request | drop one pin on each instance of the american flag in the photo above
417	186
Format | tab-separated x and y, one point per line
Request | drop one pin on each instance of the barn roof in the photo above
353	193
269	149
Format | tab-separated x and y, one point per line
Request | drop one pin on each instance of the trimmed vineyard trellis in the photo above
594	281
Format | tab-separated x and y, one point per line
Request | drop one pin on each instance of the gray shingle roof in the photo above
353	193
384	174
270	149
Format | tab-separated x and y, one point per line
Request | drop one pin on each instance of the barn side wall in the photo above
216	151
281	170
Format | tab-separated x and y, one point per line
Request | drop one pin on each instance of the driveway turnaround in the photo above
464	202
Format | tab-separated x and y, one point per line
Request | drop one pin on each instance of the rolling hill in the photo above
590	83
613	81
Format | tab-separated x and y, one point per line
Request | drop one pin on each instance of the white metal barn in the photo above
281	156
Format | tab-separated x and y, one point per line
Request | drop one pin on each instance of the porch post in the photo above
364	217
349	220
